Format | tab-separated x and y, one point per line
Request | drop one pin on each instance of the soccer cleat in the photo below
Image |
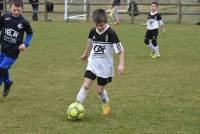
106	109
152	53
155	56
7	89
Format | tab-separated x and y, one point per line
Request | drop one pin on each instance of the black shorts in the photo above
100	81
151	34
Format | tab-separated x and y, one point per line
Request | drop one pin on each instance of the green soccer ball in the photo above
75	111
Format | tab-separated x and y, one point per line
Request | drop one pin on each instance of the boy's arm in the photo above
26	41
163	28
120	68
87	50
118	48
1	22
28	38
161	23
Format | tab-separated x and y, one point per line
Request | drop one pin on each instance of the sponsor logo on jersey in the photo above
20	26
11	35
99	49
7	18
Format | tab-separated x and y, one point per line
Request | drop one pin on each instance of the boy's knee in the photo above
154	42
86	86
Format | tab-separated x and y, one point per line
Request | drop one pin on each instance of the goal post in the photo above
70	10
76	9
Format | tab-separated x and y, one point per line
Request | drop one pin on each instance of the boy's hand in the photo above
84	57
164	31
120	69
144	24
22	47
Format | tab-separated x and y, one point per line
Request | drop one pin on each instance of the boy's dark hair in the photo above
155	3
17	3
99	16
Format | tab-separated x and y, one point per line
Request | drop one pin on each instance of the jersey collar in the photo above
103	30
153	13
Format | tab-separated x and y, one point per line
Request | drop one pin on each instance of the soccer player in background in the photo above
115	11
102	41
13	25
153	23
35	6
1	6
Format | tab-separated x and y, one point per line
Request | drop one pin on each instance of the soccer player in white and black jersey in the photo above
153	23
102	42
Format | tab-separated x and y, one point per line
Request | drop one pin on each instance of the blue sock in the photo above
7	78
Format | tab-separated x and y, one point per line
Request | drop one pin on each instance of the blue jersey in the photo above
12	34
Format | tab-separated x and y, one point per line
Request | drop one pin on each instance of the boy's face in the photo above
154	7
100	26
16	11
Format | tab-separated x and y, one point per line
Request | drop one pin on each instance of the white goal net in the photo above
73	11
76	9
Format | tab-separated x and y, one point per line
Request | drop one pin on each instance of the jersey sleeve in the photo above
118	48
117	45
90	36
29	32
27	28
114	38
159	18
1	22
148	16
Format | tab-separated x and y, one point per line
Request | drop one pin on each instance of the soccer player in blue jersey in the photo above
13	26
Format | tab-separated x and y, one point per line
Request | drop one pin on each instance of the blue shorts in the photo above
6	62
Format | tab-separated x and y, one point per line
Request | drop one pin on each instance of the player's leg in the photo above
4	74
147	41
89	77
103	95
35	10
116	14
155	44
2	55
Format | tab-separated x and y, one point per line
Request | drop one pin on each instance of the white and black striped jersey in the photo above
100	61
154	21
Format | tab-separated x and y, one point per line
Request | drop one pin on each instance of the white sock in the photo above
151	47
104	96
156	50
81	96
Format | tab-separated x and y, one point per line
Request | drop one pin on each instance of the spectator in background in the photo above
35	6
1	6
49	8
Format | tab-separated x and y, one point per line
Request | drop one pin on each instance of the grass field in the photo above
160	96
